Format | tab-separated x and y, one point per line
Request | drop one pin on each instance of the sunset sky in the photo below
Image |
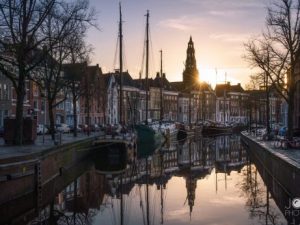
218	28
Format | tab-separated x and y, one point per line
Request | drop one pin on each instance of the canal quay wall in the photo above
31	175
286	169
282	165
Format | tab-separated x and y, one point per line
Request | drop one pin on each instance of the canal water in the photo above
198	181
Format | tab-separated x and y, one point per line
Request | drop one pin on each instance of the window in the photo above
35	105
5	92
43	106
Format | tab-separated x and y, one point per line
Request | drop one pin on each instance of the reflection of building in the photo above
191	185
87	192
229	154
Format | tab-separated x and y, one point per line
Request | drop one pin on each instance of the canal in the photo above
198	181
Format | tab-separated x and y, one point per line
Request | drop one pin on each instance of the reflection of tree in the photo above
57	217
78	204
257	197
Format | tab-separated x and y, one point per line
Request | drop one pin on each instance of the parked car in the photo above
95	128
84	127
41	128
64	128
79	129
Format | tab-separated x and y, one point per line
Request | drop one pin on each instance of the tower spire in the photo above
190	73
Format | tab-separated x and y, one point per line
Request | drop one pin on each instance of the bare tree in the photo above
59	27
75	71
256	82
278	51
20	22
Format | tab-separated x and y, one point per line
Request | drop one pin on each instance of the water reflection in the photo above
200	180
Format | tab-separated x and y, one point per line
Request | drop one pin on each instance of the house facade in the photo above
231	104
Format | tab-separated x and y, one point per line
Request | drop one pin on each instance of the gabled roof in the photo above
226	88
236	88
178	85
94	70
106	79
127	79
162	82
74	71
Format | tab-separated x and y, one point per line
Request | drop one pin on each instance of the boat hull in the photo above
147	140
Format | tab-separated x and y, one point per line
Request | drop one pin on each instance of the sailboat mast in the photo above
147	63
224	100
147	192
161	89
121	202
121	66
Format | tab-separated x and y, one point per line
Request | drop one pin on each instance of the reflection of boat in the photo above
112	155
181	134
148	140
216	129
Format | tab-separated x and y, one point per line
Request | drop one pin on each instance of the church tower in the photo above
190	73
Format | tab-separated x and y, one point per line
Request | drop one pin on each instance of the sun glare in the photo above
216	76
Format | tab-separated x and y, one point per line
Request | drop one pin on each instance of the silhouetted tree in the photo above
20	23
278	51
65	20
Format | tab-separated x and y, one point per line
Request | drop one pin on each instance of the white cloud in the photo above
230	37
183	23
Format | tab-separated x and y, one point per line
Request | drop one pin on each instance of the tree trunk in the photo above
267	106
88	115
18	139
51	118
75	115
290	116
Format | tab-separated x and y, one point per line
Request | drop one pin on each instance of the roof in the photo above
127	79
74	71
226	88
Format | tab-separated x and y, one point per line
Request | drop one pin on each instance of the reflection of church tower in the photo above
191	185
190	73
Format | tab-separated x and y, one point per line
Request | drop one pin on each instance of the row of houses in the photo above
226	104
187	101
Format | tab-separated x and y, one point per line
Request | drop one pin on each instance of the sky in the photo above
219	29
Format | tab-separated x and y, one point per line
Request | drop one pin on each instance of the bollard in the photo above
57	138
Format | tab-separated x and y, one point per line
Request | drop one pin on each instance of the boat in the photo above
148	138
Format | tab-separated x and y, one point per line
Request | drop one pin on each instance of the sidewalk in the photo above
292	156
7	151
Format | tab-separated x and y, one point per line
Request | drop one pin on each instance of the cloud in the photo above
183	23
175	24
230	37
